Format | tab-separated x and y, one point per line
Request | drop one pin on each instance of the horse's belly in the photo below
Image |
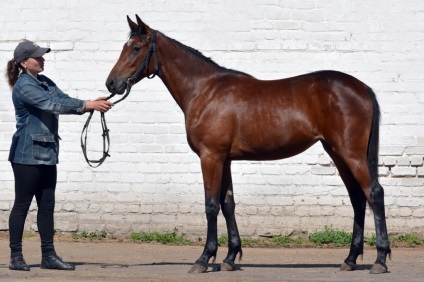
271	149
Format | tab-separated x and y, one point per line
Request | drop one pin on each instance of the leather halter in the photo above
130	82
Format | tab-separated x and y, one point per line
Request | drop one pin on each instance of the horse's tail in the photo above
373	142
377	192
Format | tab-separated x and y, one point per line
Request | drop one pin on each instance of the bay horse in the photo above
230	115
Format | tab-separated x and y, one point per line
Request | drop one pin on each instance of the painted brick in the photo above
323	170
389	161
391	150
152	170
403	161
416	161
403	171
415	150
418	213
409	202
412	182
383	171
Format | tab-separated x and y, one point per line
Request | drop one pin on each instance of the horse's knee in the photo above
212	209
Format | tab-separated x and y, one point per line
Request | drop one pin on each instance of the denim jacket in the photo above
38	103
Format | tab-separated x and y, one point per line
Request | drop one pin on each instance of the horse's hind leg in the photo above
357	164
357	245
358	201
228	209
383	245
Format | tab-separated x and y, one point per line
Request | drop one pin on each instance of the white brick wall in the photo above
153	180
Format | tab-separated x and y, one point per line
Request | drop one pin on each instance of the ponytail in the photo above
13	71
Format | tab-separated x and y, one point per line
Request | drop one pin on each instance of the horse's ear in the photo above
133	25
142	26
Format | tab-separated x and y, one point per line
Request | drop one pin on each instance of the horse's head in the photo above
129	65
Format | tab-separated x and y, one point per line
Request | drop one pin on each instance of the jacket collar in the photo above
37	80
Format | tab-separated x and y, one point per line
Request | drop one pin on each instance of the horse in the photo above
231	116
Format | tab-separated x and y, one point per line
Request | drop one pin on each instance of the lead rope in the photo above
130	82
105	133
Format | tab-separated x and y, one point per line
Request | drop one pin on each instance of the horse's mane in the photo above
206	59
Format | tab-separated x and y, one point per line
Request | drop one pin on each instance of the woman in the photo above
35	148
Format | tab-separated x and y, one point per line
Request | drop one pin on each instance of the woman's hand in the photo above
100	104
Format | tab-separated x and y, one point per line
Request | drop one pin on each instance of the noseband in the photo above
130	82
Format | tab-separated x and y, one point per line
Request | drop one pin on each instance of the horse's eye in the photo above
136	49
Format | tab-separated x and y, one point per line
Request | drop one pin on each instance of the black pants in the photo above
30	181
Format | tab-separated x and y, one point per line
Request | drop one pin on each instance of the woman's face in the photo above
33	65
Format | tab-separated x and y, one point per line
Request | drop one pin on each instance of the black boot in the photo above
18	263
55	262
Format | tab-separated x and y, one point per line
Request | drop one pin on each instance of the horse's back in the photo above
311	99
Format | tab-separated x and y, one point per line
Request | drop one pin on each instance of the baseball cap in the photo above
28	49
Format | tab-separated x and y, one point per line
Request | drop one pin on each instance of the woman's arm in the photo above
100	104
34	95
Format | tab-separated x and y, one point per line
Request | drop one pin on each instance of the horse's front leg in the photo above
212	174
228	209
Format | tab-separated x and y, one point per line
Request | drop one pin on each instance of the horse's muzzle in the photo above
116	87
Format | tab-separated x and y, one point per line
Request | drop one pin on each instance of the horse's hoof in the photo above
226	267
378	269
347	267
197	268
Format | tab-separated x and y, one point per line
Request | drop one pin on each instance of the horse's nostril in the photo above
110	84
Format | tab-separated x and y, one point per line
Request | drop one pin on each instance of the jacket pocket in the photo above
43	147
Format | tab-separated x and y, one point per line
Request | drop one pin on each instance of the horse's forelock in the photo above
137	33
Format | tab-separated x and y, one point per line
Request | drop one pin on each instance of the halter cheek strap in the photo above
145	64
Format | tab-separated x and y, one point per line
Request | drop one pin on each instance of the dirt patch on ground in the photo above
122	260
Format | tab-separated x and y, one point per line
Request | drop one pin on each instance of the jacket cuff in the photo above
81	108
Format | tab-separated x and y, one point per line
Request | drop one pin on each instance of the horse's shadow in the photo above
216	267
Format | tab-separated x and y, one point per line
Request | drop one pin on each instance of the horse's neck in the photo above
181	71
